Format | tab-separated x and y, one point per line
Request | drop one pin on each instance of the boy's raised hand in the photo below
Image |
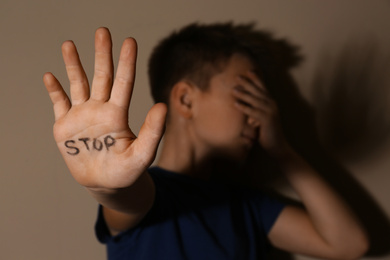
91	129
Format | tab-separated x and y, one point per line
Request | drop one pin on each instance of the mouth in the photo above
249	137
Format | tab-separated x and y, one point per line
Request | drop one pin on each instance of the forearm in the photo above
331	216
124	208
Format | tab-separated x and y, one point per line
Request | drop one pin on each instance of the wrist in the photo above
289	160
104	191
282	152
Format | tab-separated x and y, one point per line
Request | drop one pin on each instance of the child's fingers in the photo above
249	87
245	85
79	87
257	82
151	133
249	99
257	101
252	84
255	116
104	68
254	107
61	102
248	110
124	79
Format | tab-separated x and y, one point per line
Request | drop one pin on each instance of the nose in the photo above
252	122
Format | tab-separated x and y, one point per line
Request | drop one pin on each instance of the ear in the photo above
181	98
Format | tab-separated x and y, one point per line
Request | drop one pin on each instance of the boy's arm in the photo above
124	208
327	228
93	135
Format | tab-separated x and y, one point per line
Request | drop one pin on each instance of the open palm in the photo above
91	129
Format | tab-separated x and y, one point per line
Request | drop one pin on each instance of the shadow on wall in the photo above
350	93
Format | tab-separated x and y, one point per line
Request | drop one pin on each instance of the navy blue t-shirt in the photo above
195	219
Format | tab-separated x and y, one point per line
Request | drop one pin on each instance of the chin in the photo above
238	154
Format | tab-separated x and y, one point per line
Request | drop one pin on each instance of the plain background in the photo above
45	214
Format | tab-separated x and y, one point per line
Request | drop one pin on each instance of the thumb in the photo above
151	132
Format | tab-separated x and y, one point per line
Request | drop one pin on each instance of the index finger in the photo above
125	76
256	81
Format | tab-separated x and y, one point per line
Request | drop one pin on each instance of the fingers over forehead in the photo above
125	76
253	78
252	84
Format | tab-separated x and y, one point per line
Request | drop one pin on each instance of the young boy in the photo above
207	82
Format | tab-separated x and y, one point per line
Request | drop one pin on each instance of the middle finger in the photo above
104	68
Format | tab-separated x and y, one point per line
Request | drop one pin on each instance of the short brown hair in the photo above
197	52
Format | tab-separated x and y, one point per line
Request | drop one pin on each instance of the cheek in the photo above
222	122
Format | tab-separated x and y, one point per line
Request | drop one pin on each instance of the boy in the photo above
211	99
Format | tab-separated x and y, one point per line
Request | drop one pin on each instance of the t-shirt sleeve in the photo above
266	209
271	209
103	233
101	229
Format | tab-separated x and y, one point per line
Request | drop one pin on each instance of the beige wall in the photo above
44	214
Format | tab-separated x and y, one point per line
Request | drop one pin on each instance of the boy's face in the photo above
217	124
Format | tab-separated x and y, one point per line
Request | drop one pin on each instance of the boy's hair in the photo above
197	52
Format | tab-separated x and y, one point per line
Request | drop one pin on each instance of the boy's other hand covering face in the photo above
236	111
217	123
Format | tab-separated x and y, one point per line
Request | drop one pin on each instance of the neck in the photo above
178	154
181	155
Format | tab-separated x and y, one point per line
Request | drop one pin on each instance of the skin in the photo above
229	117
116	176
